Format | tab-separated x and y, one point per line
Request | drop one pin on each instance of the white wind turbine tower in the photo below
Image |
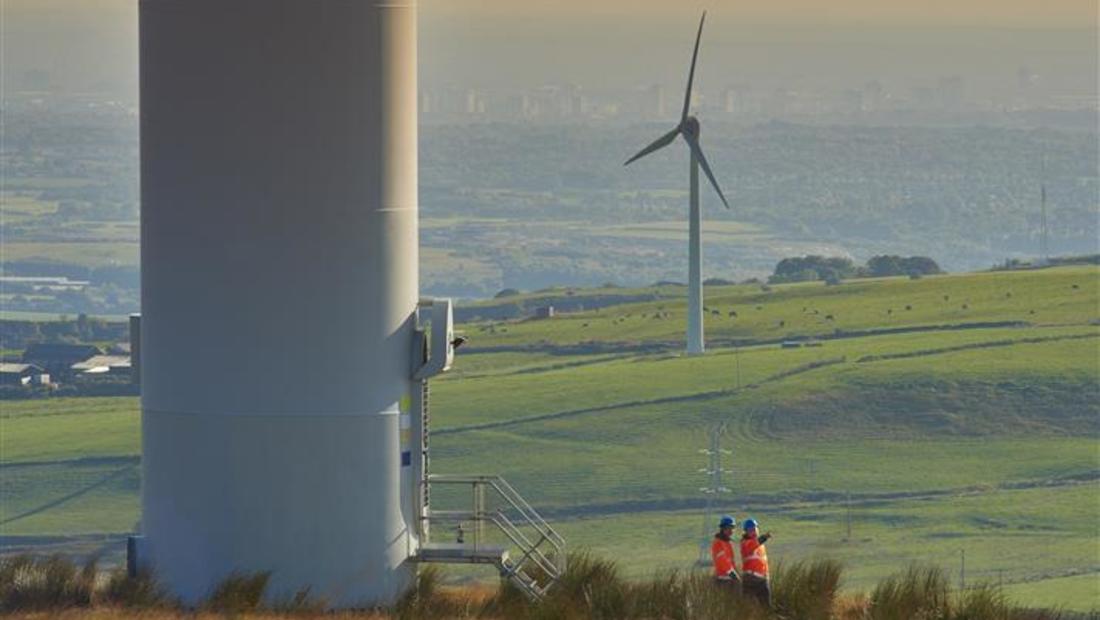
689	129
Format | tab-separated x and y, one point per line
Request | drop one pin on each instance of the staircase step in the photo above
460	553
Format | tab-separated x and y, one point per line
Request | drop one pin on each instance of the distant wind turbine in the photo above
689	129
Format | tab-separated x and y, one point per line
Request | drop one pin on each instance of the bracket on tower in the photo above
441	349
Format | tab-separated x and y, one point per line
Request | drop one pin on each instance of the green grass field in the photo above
1059	296
939	429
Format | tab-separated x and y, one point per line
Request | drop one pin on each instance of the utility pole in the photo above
1044	248
848	504
737	365
715	486
962	570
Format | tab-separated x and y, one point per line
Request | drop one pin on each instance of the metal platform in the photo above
459	553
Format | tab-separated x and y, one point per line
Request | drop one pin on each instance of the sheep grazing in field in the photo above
715	313
733	314
829	317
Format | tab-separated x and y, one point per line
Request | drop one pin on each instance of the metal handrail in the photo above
507	492
530	550
535	518
529	516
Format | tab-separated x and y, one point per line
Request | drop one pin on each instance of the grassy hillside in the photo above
1042	297
938	428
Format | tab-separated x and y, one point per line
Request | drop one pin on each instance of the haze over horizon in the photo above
81	45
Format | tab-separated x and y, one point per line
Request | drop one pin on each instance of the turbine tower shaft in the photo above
695	344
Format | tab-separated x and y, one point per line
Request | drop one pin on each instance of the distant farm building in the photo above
59	358
103	365
23	375
544	312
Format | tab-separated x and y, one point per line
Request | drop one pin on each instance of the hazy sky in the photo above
624	43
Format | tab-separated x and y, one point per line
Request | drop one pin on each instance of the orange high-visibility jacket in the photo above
721	552
754	557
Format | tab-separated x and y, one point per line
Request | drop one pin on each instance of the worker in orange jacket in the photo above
754	563
721	553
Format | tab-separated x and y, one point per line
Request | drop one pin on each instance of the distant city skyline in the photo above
91	45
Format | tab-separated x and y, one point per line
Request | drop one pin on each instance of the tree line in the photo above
833	269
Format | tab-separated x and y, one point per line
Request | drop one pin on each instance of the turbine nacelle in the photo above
688	127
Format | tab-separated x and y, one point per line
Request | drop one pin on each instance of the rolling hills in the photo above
936	416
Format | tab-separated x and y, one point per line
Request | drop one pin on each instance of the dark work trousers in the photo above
758	589
732	584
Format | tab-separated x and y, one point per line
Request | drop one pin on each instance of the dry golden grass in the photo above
106	613
593	589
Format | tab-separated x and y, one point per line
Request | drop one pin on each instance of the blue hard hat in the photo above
727	521
749	524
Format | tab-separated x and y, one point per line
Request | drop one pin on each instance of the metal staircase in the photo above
491	522
497	527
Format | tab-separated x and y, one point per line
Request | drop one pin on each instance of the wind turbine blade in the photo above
691	73
695	148
659	143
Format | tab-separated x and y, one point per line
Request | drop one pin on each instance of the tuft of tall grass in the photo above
982	602
918	593
507	601
595	588
666	595
591	588
302	602
55	582
807	590
696	596
142	591
238	593
428	599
